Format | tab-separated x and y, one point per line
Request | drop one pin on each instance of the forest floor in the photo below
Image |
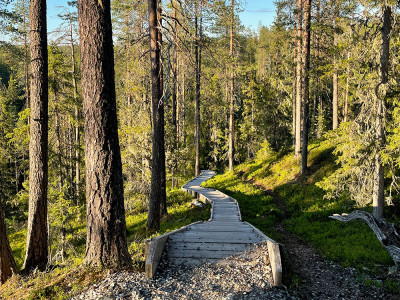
307	275
310	276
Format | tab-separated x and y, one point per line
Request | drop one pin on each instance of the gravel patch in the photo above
245	276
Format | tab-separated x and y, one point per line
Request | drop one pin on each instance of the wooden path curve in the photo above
225	234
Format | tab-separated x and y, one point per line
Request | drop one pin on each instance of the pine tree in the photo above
106	243
153	219
37	237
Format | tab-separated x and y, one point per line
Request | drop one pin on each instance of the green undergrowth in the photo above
64	279
306	211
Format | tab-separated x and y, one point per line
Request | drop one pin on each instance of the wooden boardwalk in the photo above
225	234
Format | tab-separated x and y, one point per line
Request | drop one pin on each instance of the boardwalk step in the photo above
193	261
221	229
231	240
208	246
201	253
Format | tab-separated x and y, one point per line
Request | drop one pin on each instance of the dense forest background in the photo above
232	88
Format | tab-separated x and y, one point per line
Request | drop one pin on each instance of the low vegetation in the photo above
67	278
270	190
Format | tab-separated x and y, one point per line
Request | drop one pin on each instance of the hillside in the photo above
292	209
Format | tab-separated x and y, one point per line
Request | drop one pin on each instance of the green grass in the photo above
307	211
65	280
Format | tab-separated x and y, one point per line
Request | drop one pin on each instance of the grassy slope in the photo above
70	277
306	211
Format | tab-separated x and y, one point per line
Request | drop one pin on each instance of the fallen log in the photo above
385	232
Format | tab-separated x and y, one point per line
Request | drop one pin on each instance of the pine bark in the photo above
298	77
163	174
175	107
153	219
335	103
37	236
307	38
294	83
231	150
106	243
7	262
198	78
378	196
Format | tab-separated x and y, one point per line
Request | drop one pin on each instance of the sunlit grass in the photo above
307	211
63	280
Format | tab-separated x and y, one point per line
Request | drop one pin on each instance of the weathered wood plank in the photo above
218	235
216	240
208	246
201	253
221	229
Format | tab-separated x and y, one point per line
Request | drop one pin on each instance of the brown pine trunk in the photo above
378	196
106	243
335	108
198	77
294	89
26	66
346	96
163	200
231	150
317	92
7	262
174	106
298	77
335	117
153	219
307	38
37	236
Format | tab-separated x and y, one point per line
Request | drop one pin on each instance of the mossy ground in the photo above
306	210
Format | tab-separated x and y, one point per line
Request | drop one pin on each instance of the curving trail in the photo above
225	234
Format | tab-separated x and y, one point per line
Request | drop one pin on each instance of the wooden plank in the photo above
194	239
276	263
221	229
201	254
208	246
219	235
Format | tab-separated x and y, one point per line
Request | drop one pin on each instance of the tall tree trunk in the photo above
307	38
153	219
198	77
7	262
163	200
298	77
231	151
37	236
346	96
106	243
294	88
378	196
26	66
174	105
318	87
335	108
